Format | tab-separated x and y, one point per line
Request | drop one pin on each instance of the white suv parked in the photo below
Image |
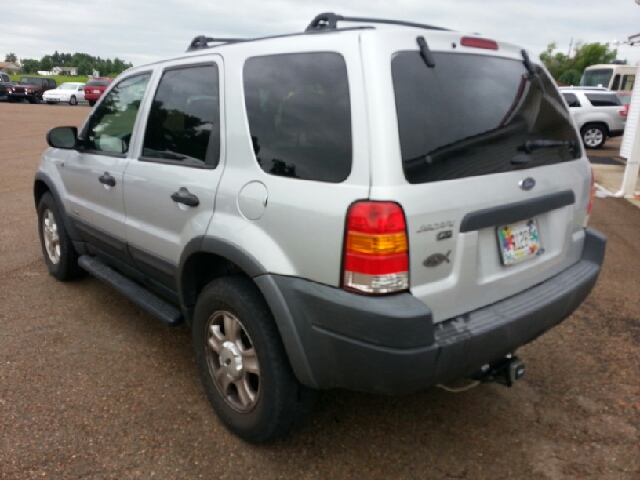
376	209
598	113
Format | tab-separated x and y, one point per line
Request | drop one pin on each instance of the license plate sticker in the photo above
519	241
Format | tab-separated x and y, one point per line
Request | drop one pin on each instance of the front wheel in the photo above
242	362
59	255
73	100
593	136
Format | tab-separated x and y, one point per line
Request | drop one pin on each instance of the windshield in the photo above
471	115
597	77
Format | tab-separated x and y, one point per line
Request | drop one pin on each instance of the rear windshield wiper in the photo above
531	145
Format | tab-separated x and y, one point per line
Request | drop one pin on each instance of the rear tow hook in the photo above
505	371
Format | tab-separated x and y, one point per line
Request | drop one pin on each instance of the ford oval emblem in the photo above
527	184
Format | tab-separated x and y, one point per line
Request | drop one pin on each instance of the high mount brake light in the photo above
376	258
479	43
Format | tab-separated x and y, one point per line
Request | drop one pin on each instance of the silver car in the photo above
380	209
599	113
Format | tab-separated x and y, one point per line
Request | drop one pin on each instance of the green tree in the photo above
46	64
10	57
84	68
566	69
30	65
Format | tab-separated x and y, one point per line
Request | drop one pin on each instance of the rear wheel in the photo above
242	362
59	255
92	103
73	100
593	136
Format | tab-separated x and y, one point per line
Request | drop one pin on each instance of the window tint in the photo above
184	121
571	99
603	99
110	128
471	115
299	115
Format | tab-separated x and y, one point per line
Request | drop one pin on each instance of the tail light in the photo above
625	111
376	253
592	194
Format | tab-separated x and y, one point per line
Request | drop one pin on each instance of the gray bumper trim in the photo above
337	339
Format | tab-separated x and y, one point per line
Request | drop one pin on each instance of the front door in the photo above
93	174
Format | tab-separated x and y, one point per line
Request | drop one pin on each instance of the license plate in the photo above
518	241
96	91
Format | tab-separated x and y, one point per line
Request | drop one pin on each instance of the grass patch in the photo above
58	78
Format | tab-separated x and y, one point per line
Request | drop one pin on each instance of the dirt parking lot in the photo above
91	387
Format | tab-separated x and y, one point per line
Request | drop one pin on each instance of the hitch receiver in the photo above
505	371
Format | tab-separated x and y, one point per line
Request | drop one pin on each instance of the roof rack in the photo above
329	21
202	41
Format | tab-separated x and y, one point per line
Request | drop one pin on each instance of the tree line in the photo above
568	69
84	62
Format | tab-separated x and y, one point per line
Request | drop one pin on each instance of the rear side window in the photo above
300	115
603	99
571	99
472	115
184	121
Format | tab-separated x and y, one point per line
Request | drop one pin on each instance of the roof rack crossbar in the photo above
202	41
329	21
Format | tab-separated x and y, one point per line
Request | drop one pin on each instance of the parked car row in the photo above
38	89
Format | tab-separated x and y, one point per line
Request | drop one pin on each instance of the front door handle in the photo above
107	179
183	196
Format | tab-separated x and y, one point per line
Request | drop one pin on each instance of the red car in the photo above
94	89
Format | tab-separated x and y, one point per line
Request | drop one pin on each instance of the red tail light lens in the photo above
376	258
625	111
479	43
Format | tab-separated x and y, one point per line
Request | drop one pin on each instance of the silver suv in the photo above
598	113
375	209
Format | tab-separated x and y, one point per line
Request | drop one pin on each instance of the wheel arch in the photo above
43	184
596	123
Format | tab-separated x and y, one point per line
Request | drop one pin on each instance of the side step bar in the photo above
139	295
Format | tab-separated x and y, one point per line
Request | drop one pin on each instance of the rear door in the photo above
170	187
480	152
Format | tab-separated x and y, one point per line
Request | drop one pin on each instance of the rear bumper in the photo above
390	345
616	133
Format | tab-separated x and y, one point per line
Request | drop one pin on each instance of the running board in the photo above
139	295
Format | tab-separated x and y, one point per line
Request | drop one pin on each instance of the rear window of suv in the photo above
471	115
97	83
300	115
603	99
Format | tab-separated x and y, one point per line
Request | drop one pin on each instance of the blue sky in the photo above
142	31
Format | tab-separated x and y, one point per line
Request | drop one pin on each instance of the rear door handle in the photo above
183	196
107	179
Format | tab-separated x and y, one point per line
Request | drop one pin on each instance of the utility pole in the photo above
570	45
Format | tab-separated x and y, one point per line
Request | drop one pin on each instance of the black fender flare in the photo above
68	224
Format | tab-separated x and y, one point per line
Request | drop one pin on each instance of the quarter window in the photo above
184	121
603	99
571	99
111	126
299	115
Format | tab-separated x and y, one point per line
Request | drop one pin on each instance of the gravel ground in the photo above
91	387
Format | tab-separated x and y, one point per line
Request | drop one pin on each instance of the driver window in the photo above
111	126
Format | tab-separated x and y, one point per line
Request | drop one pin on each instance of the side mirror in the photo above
63	137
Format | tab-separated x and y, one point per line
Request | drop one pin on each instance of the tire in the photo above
35	99
57	249
51	103
73	100
92	103
593	136
239	352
